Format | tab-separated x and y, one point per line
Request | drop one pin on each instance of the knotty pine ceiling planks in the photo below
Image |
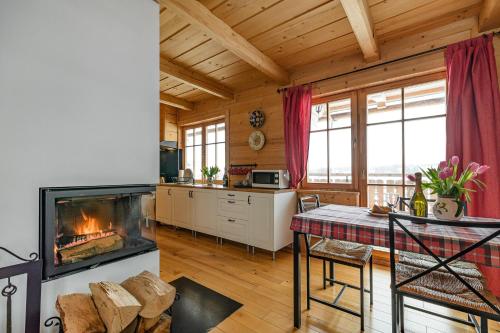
293	33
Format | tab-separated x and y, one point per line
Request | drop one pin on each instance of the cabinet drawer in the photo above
233	195
237	209
232	229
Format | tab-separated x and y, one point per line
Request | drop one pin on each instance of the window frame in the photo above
362	101
359	130
354	146
203	144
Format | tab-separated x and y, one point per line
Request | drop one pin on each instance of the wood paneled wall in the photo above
237	111
272	156
168	123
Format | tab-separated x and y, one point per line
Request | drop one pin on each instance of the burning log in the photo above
95	246
116	306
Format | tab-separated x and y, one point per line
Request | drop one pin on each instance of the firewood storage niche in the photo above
82	227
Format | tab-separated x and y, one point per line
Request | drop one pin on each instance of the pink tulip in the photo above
442	165
411	178
455	160
445	173
473	166
482	169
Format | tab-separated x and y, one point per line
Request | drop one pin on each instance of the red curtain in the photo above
297	120
473	124
473	116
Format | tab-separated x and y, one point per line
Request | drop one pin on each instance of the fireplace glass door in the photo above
91	228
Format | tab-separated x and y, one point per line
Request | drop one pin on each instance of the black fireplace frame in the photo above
47	198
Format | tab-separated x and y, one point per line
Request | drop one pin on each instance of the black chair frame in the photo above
302	209
397	296
331	280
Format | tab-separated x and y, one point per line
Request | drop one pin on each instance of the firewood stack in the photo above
135	306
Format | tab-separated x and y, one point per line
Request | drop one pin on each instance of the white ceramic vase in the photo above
446	208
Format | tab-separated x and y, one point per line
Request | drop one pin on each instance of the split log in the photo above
150	322
79	314
116	306
91	248
146	324
163	325
153	293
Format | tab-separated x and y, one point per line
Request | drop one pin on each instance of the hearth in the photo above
81	227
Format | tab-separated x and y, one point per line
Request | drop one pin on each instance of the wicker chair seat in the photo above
348	252
462	268
442	286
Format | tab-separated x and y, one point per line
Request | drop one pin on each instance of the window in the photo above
205	145
405	131
401	128
193	153
215	147
330	149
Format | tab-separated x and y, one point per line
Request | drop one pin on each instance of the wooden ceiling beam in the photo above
176	102
489	16
358	14
199	15
194	79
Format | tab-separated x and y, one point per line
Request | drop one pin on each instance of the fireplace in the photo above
82	227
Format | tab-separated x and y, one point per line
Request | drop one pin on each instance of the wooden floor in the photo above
264	287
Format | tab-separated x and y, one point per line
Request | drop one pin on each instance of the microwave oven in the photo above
270	178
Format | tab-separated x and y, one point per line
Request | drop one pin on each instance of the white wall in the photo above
78	103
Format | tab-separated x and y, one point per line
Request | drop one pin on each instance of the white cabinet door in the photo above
205	211
261	222
181	208
164	204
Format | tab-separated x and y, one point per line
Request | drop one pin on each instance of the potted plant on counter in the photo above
451	187
210	173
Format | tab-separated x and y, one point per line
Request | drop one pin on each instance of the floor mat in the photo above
199	308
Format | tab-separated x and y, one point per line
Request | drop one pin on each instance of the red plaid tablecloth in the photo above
356	225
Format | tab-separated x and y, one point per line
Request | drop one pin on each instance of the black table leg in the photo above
296	280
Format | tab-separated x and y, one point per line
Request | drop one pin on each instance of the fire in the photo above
90	225
89	229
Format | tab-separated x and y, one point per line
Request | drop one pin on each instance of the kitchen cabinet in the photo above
164	204
259	219
181	207
204	210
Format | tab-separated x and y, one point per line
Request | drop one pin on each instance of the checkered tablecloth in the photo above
355	224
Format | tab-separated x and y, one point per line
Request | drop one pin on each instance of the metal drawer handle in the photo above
231	220
230	195
231	201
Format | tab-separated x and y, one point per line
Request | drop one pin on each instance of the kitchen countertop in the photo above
220	187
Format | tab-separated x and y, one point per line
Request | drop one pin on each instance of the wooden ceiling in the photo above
214	48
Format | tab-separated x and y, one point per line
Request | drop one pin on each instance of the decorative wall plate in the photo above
256	119
256	140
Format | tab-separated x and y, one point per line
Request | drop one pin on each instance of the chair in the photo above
337	252
446	282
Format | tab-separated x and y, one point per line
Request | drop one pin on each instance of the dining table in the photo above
356	224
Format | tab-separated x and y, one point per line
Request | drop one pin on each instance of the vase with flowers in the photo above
453	189
210	173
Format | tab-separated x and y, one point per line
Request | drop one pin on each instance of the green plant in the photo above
446	182
209	172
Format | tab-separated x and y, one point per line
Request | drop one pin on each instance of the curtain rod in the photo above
279	90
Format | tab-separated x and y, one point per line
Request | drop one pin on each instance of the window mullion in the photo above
403	137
